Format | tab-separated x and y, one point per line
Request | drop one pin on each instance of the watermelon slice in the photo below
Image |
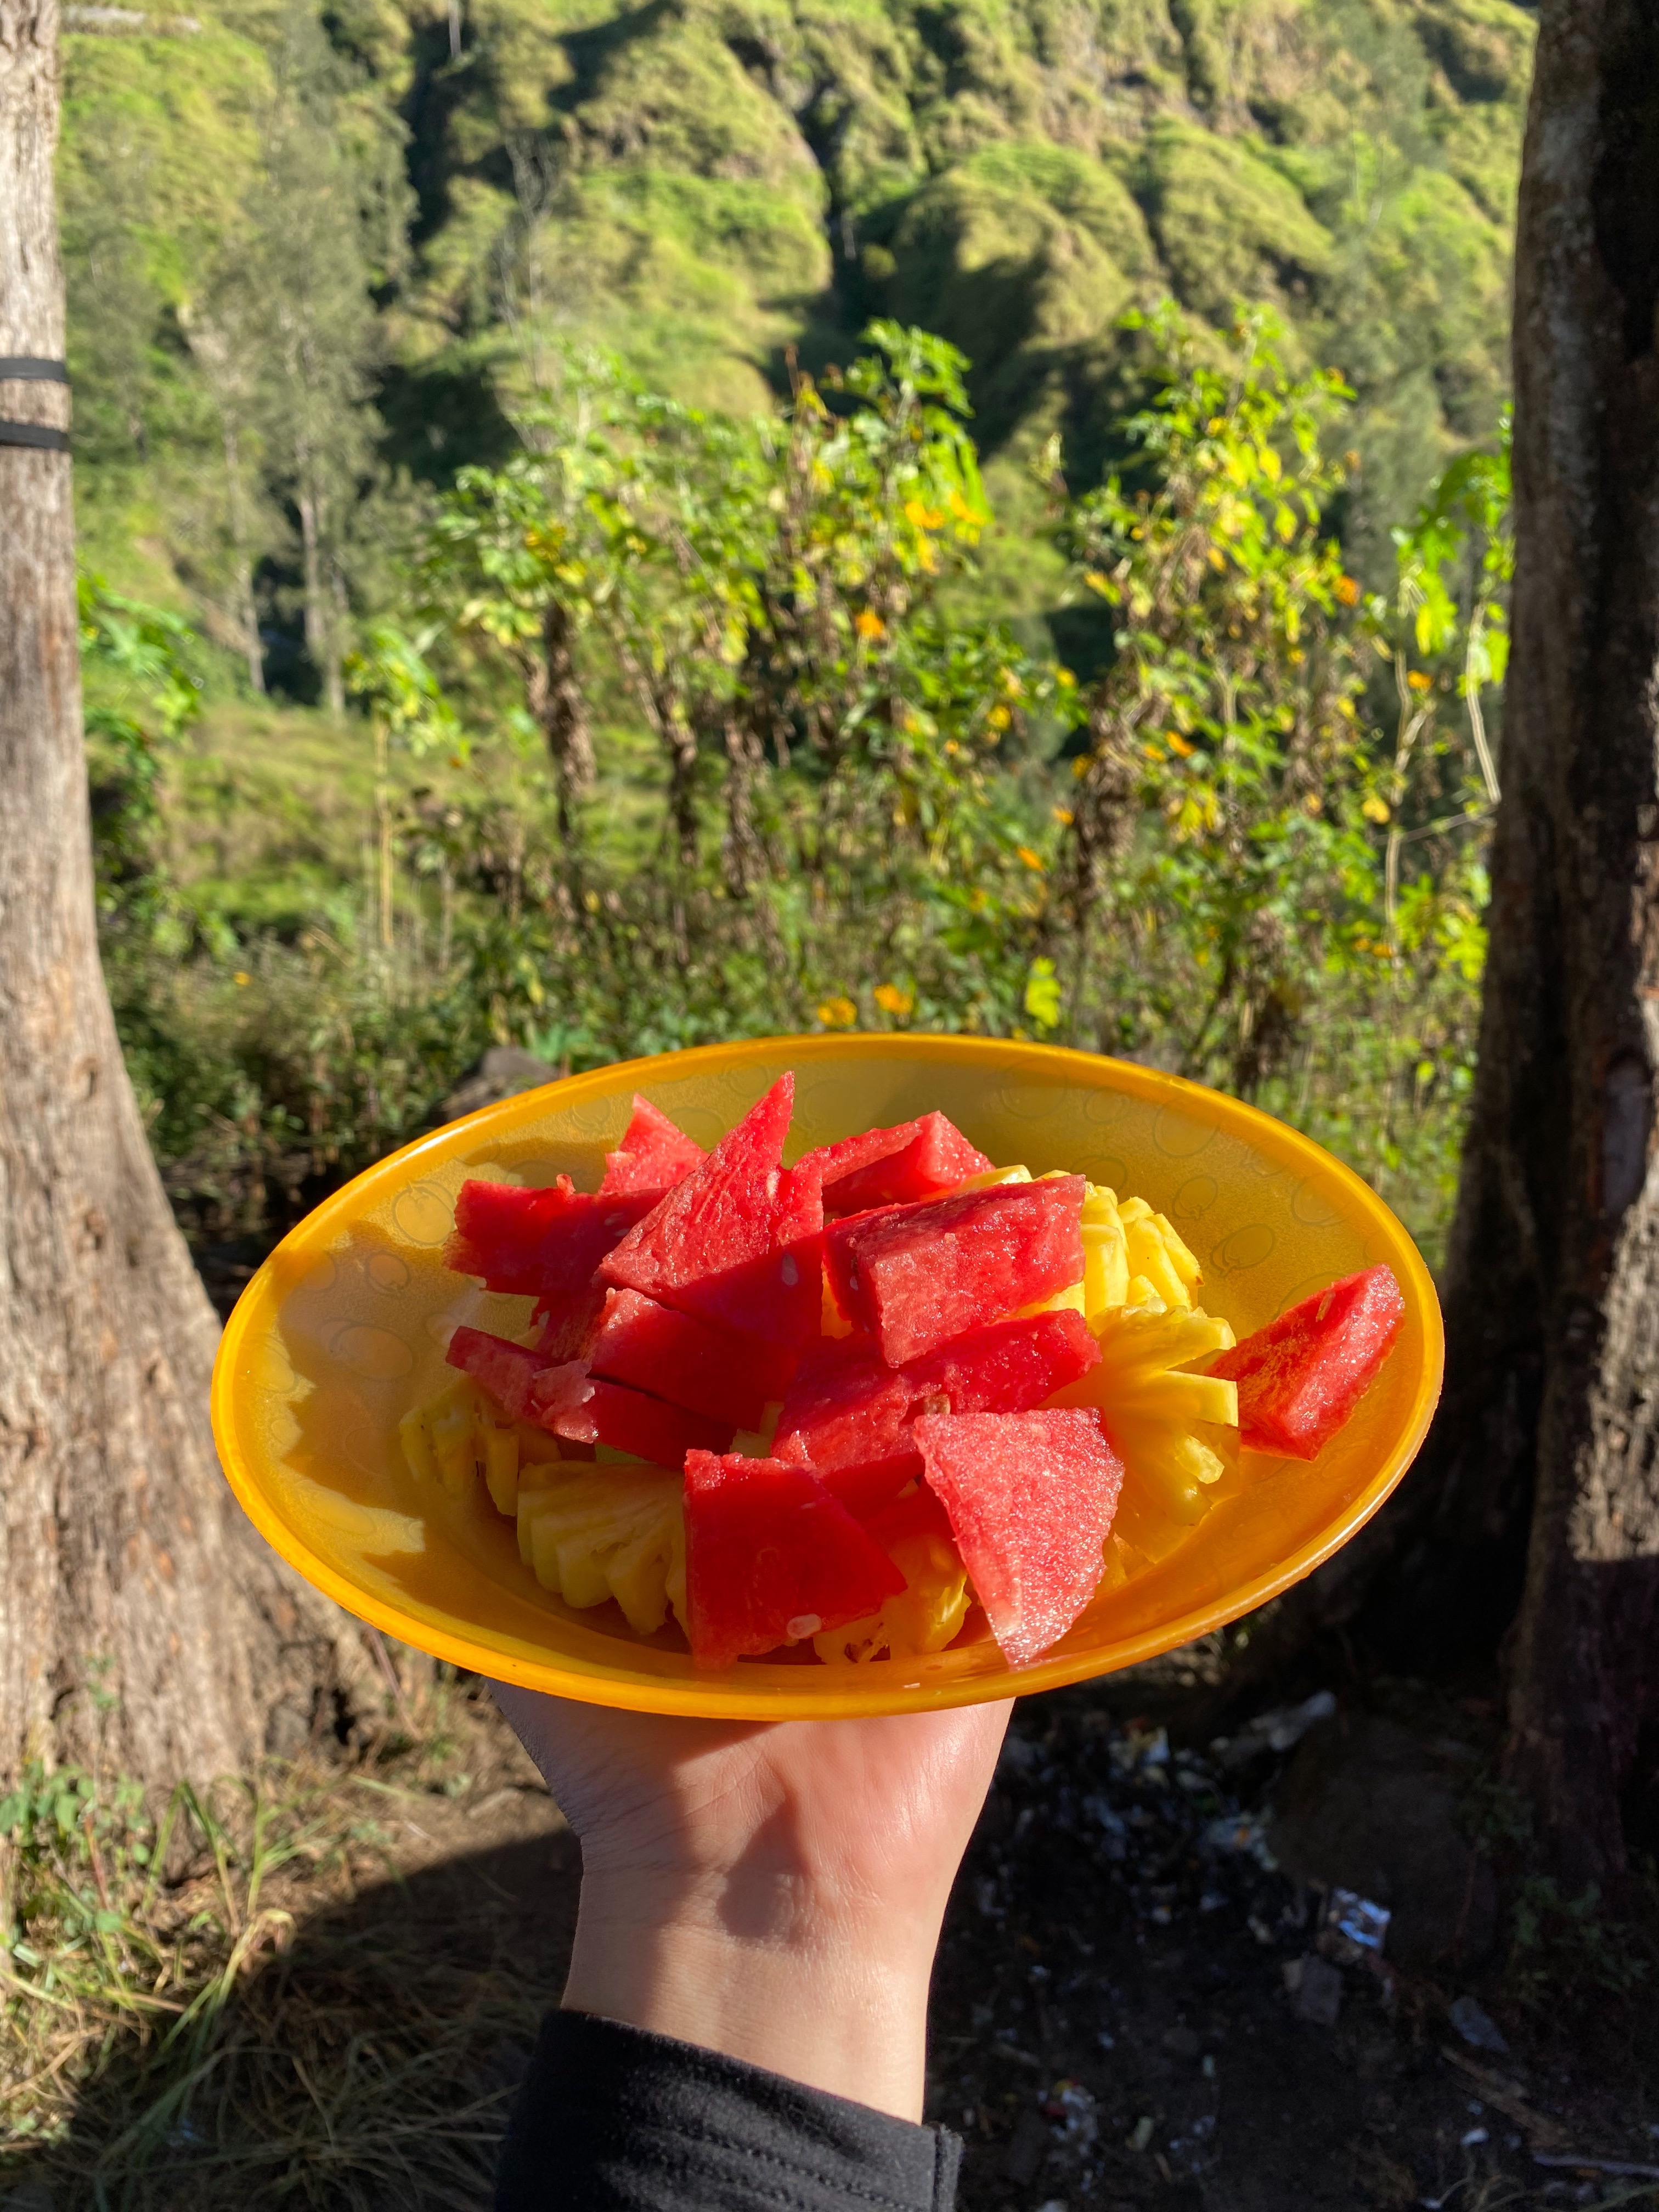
684	1360
573	1403
739	1242
848	1415
504	1369
1030	1499
917	1512
914	1276
771	1558
568	1321
546	1243
1301	1377
887	1167
653	1155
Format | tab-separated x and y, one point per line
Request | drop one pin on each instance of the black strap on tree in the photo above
30	368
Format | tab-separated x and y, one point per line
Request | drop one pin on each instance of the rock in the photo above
1365	1805
503	1073
1027	2148
1476	2027
1316	1990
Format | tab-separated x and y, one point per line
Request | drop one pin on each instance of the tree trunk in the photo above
322	642
1552	1281
247	614
126	1557
561	713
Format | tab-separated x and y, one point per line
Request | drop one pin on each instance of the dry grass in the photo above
266	1994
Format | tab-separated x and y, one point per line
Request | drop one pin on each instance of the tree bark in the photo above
555	700
1552	1290
124	1557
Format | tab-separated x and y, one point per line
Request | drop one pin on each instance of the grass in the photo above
248	1996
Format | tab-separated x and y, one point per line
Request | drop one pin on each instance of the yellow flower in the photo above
868	623
1178	744
1313	804
1419	682
920	516
1096	582
892	1000
999	718
838	1014
1032	860
1347	591
1062	815
241	979
1374	810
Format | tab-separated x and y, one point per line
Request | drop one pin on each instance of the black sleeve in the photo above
613	2119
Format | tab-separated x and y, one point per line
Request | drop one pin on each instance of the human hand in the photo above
771	1891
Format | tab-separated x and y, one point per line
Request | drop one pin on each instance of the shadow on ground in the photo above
1137	2004
368	2051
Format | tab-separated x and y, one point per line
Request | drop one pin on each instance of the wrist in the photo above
828	1991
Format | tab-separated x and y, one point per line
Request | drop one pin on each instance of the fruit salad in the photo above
863	1407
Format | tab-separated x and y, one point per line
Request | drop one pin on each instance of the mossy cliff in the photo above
704	184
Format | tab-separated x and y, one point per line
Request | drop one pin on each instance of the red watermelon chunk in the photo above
504	1369
771	1559
846	1416
653	1155
915	1276
573	1403
739	1243
567	1323
849	1415
1030	1499
686	1361
887	1167
1302	1376
544	1242
917	1512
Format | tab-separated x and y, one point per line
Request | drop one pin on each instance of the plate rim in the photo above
724	1696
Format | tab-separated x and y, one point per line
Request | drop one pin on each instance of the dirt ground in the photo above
1138	2003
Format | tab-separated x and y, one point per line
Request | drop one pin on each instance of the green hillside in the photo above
705	184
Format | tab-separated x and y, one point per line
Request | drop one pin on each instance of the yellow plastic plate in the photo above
344	1328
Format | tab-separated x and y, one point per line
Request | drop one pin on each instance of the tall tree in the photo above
304	288
1553	1283
124	1553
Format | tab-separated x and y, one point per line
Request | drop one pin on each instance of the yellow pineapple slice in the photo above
417	1445
1157	1253
1105	1254
592	1533
502	1468
924	1616
1175	1431
445	1436
756	1444
989	1179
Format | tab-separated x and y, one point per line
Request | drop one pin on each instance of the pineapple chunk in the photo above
989	1180
1105	1254
1132	1256
502	1468
1156	1251
417	1445
924	1616
444	1438
756	1444
619	1534
1176	1432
